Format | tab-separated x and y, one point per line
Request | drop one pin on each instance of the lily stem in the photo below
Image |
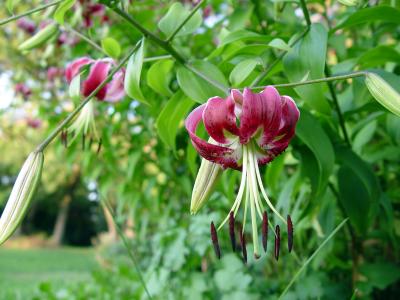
189	16
29	12
127	246
85	38
65	122
319	80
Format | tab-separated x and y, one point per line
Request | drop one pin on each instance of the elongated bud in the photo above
232	230
39	38
203	186
290	233
214	239
349	2
277	241
264	231
21	195
243	245
383	92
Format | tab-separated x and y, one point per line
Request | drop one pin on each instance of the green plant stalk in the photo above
319	80
65	122
84	38
296	276
305	12
189	16
127	246
29	12
167	47
262	75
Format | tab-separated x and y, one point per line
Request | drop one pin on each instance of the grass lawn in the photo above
21	271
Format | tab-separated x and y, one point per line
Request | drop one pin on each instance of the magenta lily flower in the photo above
99	69
246	130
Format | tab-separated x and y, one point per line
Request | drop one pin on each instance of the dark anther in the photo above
64	138
243	244
264	231
90	143
277	241
99	146
83	141
214	239
232	230
290	233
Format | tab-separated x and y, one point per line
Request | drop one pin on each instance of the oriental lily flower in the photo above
246	130
98	71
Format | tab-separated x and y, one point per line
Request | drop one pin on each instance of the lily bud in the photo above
21	195
205	182
383	92
39	38
349	2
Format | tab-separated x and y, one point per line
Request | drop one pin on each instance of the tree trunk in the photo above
61	221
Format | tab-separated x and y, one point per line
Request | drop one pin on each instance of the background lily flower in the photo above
98	71
249	130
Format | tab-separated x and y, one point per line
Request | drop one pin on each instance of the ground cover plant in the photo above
207	149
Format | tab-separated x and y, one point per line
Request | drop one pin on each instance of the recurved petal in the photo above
97	75
219	118
73	68
115	89
224	156
262	110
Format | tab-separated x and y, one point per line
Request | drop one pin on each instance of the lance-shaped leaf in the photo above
39	38
21	195
133	73
62	9
111	47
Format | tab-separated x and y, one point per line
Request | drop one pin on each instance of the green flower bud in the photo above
383	93
349	2
205	182
39	38
21	195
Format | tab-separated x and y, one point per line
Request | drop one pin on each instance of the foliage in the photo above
343	162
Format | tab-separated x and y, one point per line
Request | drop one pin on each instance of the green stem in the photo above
319	80
154	58
85	38
305	12
163	44
29	12
276	61
65	122
189	16
128	248
337	107
296	276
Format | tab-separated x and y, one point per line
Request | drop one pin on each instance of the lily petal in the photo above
97	75
115	89
74	68
224	156
262	110
219	117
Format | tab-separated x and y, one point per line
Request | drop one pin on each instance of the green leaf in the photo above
371	14
10	5
61	10
176	14
198	88
364	136
171	117
378	56
133	73
159	77
308	57
111	47
358	188
380	275
279	44
242	70
243	35
311	133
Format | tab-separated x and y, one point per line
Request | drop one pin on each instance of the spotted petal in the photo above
224	156
115	89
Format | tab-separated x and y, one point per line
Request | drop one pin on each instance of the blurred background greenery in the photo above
68	246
